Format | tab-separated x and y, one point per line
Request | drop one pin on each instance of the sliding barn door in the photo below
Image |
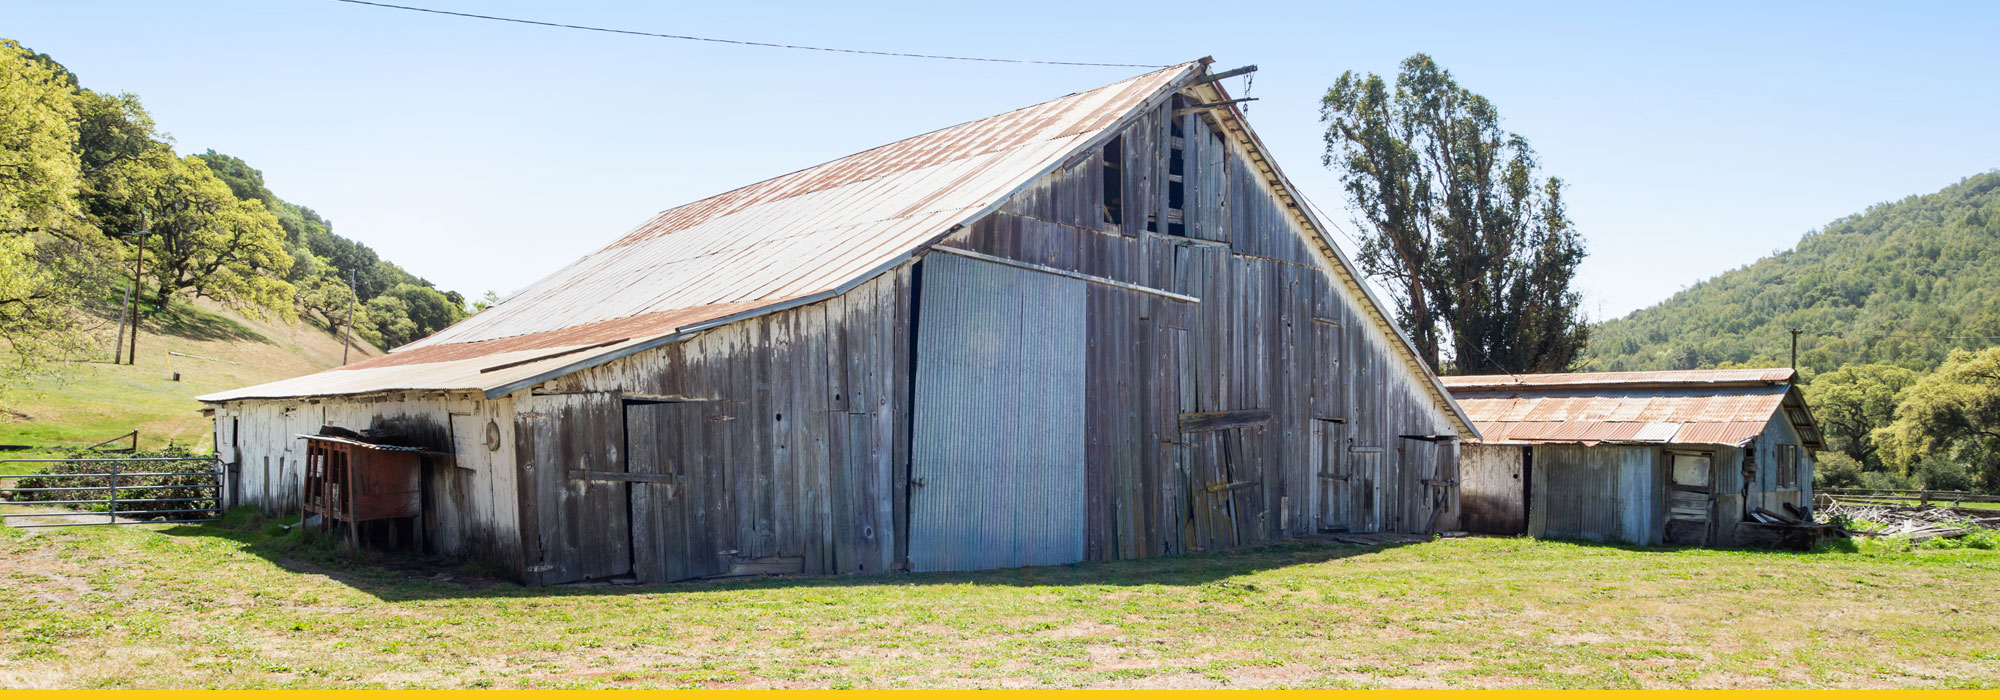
677	493
997	461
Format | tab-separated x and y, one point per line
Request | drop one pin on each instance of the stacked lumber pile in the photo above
1914	524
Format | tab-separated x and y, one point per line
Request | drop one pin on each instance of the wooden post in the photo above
347	341
112	512
138	269
124	314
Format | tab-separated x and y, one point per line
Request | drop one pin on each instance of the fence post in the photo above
219	491
113	512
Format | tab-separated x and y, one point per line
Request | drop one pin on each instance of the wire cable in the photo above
740	42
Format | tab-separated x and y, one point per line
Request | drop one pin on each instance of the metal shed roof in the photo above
1720	407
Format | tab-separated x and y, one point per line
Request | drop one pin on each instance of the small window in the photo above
1113	206
1788	466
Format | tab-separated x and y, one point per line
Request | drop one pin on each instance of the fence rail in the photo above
119	479
1904	497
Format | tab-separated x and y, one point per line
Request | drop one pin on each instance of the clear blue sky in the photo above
481	155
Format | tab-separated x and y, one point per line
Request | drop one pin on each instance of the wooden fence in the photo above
1902	498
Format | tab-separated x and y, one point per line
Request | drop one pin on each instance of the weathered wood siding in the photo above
1274	335
469	499
1492	492
1765	491
791	431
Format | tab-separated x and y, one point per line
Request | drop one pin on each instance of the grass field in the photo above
240	604
72	404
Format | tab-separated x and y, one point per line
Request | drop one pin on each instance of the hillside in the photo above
1902	283
79	403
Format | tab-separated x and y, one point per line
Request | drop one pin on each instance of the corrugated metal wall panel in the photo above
999	421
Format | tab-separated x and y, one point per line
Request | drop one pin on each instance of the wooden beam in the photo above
1225	75
1224	420
1191	109
1093	279
582	475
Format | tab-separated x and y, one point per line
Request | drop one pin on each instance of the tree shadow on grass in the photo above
403	576
186	321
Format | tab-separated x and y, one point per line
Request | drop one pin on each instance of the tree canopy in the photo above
81	169
1473	239
1954	413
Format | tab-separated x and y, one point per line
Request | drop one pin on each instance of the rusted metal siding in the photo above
997	459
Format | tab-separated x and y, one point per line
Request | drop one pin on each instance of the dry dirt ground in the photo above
240	604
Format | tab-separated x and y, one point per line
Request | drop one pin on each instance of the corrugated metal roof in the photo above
1692	377
1721	407
795	237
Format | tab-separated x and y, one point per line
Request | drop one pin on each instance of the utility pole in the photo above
347	341
124	312
132	298
1795	353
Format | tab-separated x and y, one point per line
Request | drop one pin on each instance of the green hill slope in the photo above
72	404
1901	283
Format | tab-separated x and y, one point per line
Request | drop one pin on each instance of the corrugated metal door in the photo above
997	460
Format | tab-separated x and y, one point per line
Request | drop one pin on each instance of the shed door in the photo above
1335	477
1690	498
674	502
997	460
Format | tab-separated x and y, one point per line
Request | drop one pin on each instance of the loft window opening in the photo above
1177	176
1113	206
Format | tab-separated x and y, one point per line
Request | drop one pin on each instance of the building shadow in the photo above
404	576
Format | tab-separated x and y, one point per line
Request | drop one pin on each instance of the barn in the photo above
1100	327
1700	457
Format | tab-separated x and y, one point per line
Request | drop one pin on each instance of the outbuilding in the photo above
1698	457
1101	327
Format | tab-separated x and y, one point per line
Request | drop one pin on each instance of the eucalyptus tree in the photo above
1475	242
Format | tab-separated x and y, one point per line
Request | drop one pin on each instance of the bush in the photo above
1836	470
135	493
1939	474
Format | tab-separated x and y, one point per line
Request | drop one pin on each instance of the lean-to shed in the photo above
1100	327
1680	457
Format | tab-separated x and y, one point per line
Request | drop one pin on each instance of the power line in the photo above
1351	238
739	42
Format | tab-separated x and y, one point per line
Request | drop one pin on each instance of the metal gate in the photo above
114	490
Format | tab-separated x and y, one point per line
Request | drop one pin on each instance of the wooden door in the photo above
1335	477
675	502
1690	498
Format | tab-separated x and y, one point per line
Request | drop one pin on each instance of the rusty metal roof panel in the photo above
1585	413
1692	378
1736	433
785	240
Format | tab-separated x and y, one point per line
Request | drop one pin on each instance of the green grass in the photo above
241	605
